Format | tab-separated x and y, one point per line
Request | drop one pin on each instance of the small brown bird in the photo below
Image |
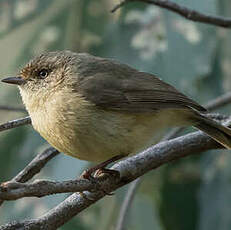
95	108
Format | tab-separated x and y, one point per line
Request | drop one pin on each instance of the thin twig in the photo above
219	102
124	210
40	188
117	6
185	12
34	166
15	123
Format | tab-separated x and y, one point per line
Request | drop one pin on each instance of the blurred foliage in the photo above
192	193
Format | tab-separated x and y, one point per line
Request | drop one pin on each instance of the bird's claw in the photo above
98	176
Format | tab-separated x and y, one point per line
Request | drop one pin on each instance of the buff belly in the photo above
97	135
78	128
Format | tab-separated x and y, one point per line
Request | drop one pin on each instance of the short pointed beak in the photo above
14	80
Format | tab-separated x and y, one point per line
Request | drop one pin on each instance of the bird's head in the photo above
45	71
44	75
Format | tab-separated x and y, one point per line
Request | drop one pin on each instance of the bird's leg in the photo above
97	172
100	168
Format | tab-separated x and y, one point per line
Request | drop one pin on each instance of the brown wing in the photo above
115	86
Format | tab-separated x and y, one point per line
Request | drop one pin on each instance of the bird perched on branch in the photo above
96	109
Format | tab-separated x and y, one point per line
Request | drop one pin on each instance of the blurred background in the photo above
193	193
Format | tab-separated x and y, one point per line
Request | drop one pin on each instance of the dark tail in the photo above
215	130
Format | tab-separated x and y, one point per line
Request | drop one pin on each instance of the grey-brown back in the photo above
115	86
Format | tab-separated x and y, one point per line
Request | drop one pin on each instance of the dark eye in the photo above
43	73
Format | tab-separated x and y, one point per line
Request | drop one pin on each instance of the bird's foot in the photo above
89	173
99	174
103	173
99	177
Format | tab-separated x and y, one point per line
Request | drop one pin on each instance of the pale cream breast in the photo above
78	128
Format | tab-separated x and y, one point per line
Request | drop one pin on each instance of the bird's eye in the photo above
43	73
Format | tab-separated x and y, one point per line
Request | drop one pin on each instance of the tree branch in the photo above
15	123
40	188
185	12
130	169
219	102
35	165
123	214
32	168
